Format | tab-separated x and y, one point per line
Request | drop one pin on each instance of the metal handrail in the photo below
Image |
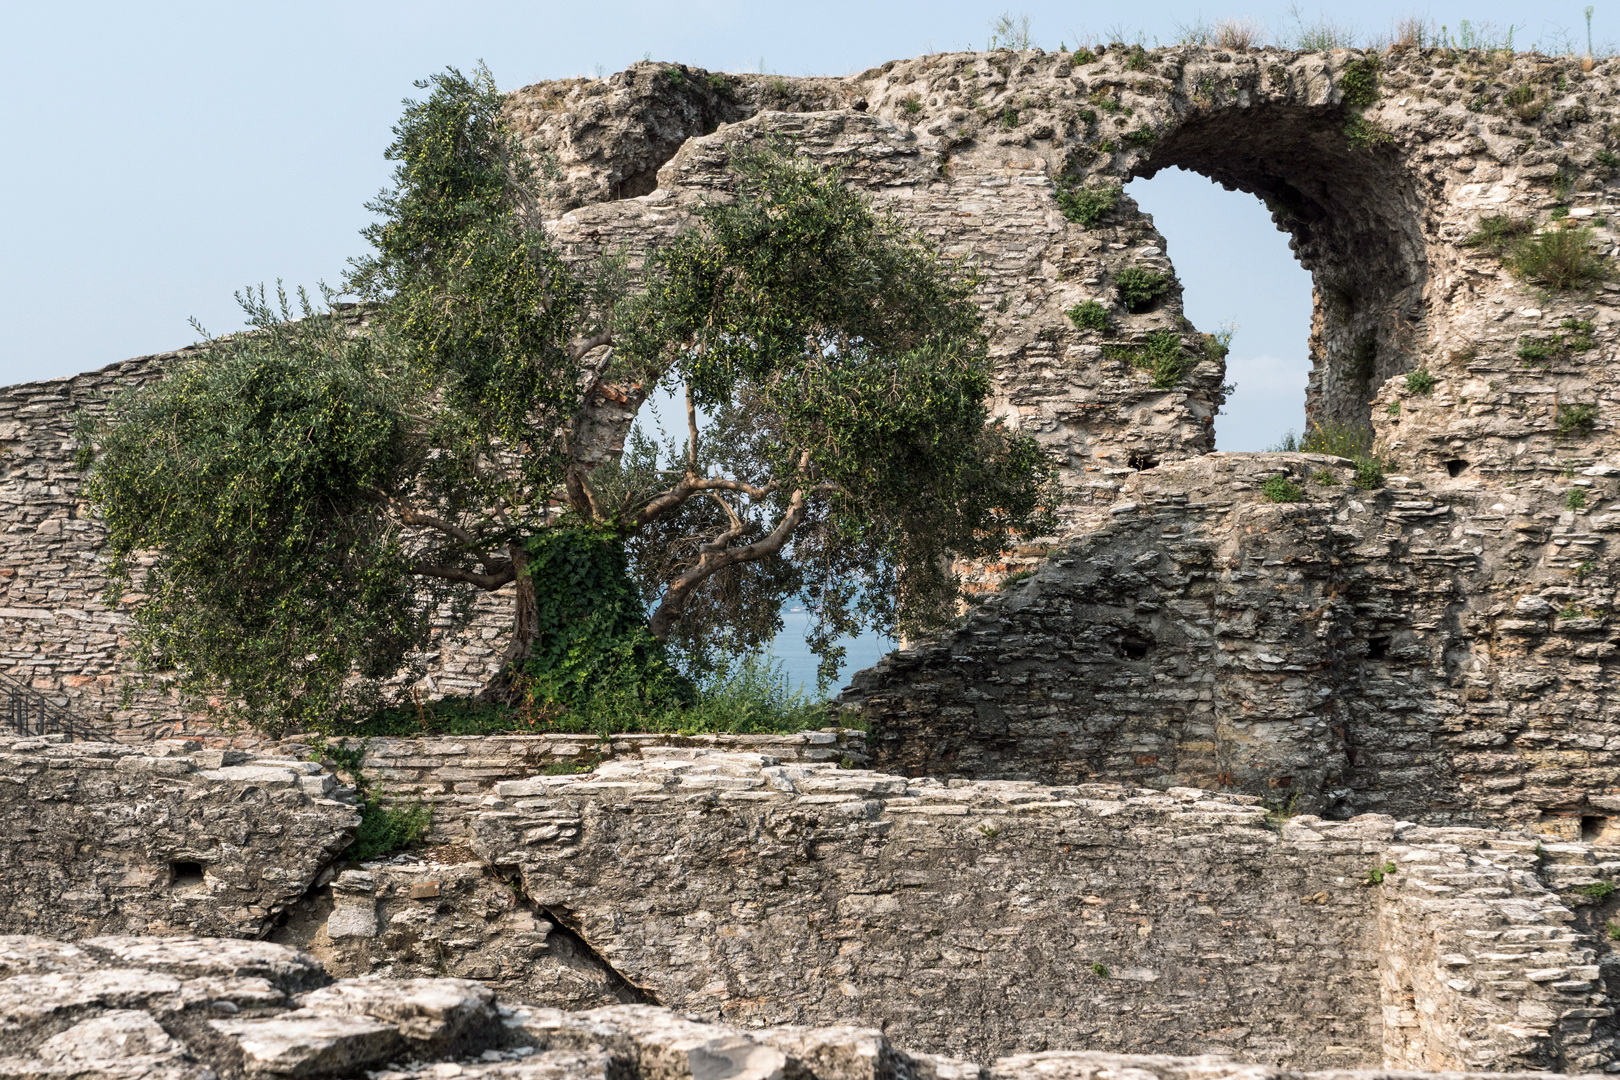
25	711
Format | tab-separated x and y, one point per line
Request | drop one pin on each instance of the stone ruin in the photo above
1321	785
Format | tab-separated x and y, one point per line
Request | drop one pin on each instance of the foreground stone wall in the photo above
100	838
972	919
980	919
199	1009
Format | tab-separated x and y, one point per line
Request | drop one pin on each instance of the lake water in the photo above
799	662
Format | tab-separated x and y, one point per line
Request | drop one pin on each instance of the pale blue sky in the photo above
162	155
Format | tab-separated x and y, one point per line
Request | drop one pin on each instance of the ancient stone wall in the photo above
99	838
980	919
1439	647
1437	651
972	919
201	1009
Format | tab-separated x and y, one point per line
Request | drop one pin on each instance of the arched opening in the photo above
1353	218
1238	273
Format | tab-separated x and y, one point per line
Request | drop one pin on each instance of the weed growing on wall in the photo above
1576	419
383	829
1161	354
1086	205
1140	288
1558	258
1089	315
1280	489
1420	382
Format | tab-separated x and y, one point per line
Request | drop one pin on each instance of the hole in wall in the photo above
1134	647
1236	271
186	875
1456	467
1595	829
1378	647
1141	460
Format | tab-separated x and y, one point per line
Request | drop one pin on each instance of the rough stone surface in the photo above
100	838
986	918
202	1026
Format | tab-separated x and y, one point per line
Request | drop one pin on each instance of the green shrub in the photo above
1575	336
1499	232
1377	874
1420	382
1576	499
752	698
1358	84
1598	890
1100	970
1140	288
911	105
1086	205
1327	478
1614	931
1369	474
383	829
1577	419
1560	259
1607	158
1537	352
1161	354
1089	315
1363	134
1281	489
386	829
1341	440
1524	102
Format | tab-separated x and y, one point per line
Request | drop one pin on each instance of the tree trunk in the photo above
506	688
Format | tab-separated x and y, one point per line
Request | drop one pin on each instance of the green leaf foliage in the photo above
591	628
843	361
251	476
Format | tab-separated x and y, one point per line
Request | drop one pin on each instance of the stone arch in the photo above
1354	216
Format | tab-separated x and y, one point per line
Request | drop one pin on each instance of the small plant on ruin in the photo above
1089	315
1377	874
1279	489
383	829
1560	259
1161	354
1009	31
1525	102
1327	478
1607	158
1578	337
1358	84
1288	444
1239	35
911	106
1141	287
1420	382
1393	408
1498	233
1369	474
1100	970
1086	205
1576	499
1351	441
1364	134
1279	810
1537	352
1577	419
1597	890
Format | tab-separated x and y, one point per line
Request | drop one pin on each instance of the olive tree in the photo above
305	505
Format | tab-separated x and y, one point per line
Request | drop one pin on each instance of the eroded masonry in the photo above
1326	783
